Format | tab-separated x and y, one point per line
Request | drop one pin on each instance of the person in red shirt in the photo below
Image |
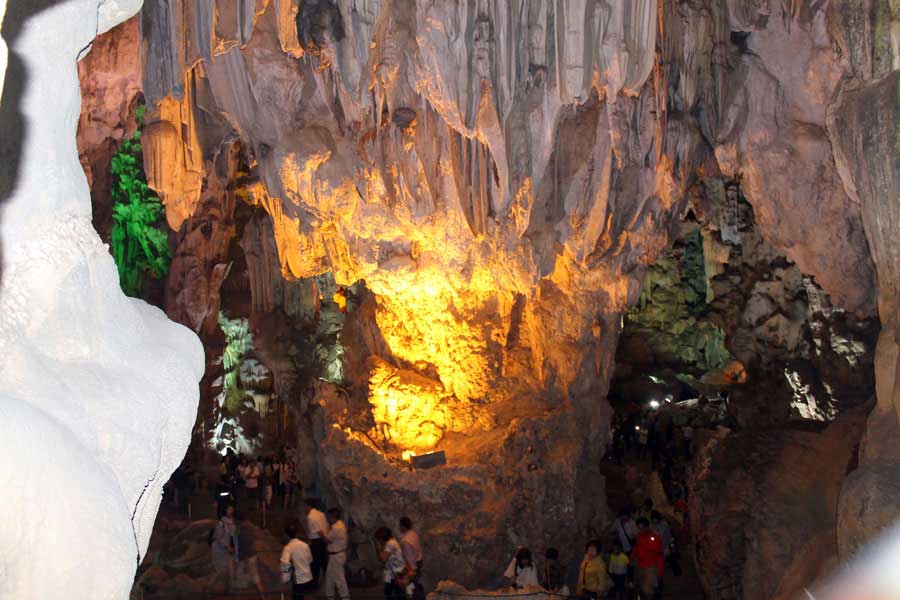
649	558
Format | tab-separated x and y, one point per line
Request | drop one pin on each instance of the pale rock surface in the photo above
773	135
99	390
483	187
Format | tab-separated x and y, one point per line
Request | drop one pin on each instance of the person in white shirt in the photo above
295	563
316	526
336	538
625	530
412	552
521	571
223	544
396	573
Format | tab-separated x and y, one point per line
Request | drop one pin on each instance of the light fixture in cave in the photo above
654	404
429	460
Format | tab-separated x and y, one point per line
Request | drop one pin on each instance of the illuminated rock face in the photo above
98	390
498	174
110	77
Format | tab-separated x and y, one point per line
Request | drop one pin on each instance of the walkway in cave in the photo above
626	486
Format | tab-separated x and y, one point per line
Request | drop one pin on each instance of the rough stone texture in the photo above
98	389
493	244
181	565
865	127
805	357
763	508
773	135
724	310
110	77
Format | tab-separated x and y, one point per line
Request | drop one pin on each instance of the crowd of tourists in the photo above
631	565
322	551
250	481
315	555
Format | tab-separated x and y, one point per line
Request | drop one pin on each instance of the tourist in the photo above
412	553
592	573
396	572
552	579
268	478
642	440
648	558
250	474
316	526
618	571
653	442
661	528
521	572
247	557
337	540
223	542
296	560
288	475
646	509
239	477
223	495
625	529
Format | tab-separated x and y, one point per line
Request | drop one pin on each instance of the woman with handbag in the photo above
396	573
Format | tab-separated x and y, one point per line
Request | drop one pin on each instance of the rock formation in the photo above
486	203
723	307
762	506
481	187
863	123
110	77
98	389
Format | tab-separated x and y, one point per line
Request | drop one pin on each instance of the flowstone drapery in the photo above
98	390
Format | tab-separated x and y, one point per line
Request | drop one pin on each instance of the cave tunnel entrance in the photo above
729	361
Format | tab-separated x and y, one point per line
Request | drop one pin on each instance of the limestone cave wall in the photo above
487	183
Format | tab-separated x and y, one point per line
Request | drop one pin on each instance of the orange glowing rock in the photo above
414	412
340	298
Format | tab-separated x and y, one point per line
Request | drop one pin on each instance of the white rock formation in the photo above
98	390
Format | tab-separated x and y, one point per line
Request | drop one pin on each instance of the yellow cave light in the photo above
412	413
407	408
340	298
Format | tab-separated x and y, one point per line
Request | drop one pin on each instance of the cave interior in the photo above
504	267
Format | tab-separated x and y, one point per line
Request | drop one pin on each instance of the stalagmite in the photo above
98	390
